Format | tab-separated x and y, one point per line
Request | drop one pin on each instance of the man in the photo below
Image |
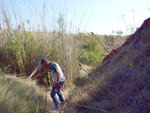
59	80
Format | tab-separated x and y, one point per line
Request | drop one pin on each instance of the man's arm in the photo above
58	80
58	76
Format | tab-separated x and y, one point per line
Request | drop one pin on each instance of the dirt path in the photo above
85	69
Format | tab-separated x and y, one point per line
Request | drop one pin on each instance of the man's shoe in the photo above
56	108
63	102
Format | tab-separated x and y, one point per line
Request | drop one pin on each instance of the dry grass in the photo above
105	87
19	95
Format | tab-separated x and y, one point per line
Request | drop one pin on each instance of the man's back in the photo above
55	67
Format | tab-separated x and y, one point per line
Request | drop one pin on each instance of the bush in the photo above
92	53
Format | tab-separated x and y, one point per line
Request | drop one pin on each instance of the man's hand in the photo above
56	85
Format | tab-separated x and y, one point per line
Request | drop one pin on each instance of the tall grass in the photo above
21	49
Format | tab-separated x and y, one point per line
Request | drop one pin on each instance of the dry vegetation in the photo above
121	84
101	90
19	95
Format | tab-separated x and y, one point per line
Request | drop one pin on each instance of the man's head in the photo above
44	62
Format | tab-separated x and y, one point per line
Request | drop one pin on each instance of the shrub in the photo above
91	52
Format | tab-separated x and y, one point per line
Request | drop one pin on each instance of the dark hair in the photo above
43	60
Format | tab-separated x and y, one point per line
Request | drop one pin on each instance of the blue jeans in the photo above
53	94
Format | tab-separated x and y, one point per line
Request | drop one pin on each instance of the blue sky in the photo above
98	16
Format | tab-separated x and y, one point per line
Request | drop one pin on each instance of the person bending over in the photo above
59	80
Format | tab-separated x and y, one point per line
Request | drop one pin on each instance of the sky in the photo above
98	16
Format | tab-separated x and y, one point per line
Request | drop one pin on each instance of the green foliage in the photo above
88	57
91	51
